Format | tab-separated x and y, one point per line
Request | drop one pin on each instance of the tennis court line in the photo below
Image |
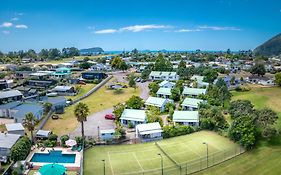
191	150
137	161
110	163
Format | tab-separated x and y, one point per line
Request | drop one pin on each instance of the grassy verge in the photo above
100	100
84	89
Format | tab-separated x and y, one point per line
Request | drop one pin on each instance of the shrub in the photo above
53	137
21	149
79	140
176	130
63	139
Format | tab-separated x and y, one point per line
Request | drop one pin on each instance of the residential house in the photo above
18	112
188	118
92	75
164	92
58	103
133	116
149	132
15	128
262	80
170	76
64	90
167	84
194	92
157	102
7	141
199	80
191	104
10	96
62	72
4	84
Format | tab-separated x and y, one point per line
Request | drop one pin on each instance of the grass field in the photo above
262	97
84	89
266	158
99	100
144	158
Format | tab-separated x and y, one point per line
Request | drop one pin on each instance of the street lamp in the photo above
205	143
161	163
103	166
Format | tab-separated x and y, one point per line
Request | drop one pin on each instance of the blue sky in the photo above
141	24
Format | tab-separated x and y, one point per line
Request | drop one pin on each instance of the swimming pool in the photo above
53	157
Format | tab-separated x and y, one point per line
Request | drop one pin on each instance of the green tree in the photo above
153	88
118	110
135	102
29	122
278	78
81	111
153	115
47	107
258	69
176	94
132	82
210	75
21	149
162	64
232	80
182	64
240	108
243	130
266	119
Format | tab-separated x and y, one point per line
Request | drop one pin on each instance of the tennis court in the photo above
181	155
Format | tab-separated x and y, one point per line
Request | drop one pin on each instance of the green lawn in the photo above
84	89
266	158
144	158
99	100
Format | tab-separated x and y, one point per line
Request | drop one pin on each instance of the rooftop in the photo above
186	116
193	91
8	140
193	102
149	128
155	101
14	127
163	83
164	91
133	114
10	93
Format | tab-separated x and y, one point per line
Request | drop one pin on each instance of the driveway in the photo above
97	119
93	122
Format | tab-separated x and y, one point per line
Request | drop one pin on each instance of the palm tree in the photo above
29	123
81	112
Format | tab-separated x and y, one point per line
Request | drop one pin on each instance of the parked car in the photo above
109	117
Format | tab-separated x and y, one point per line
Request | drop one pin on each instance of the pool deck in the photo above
70	166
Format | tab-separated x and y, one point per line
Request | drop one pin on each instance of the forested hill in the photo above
271	47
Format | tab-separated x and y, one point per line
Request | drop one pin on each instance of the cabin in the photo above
164	93
4	84
133	116
64	90
149	132
188	118
167	84
191	104
169	76
107	134
193	92
157	102
62	72
7	141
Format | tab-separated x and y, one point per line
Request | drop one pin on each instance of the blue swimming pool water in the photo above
53	157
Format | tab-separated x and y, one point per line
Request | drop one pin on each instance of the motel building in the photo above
188	118
149	132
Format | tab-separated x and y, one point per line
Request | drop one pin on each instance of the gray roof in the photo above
193	91
155	101
10	105
8	140
134	115
62	88
164	91
26	108
10	93
192	102
186	116
43	133
149	128
14	127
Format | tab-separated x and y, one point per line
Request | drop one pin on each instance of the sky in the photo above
118	25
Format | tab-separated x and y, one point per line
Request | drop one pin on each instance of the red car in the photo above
109	117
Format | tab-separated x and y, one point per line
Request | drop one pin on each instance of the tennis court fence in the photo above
192	166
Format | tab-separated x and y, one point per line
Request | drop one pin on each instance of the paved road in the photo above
97	119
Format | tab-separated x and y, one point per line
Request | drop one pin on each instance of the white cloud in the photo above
105	31
91	27
218	28
188	30
15	19
6	24
139	28
6	32
21	26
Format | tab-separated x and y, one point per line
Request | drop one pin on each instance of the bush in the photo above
63	139
79	140
242	88
130	125
176	130
53	137
49	143
21	149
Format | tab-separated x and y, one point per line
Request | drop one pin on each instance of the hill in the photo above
271	47
92	50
